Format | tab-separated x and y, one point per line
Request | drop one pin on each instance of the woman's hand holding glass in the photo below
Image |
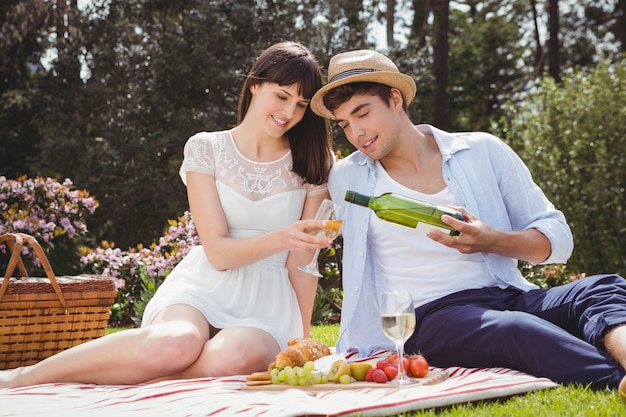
332	213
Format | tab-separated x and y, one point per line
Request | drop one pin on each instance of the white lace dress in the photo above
257	197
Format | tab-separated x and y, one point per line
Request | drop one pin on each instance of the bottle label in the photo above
425	228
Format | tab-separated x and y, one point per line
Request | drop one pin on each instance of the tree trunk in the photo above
538	48
390	17
619	27
553	45
440	61
421	10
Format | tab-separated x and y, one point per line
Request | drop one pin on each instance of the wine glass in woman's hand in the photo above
333	214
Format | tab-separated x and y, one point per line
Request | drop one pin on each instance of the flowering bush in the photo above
43	207
54	214
547	276
139	271
51	212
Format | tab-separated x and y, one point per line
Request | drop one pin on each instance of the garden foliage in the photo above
572	136
44	207
54	213
139	271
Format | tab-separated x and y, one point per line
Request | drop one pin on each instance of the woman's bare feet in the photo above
8	378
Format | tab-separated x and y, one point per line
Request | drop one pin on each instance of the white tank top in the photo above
407	259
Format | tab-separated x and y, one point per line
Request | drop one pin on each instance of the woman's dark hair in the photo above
288	63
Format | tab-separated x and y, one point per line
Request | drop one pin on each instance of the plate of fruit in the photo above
323	371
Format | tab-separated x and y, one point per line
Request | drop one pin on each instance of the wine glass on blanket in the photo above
333	214
397	317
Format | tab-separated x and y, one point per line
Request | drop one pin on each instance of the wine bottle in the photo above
405	211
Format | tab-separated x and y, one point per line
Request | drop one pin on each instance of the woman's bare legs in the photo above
170	344
233	351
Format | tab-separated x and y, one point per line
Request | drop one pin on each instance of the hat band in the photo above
352	72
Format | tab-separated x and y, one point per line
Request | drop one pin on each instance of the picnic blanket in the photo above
223	397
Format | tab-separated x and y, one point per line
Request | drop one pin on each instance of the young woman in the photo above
233	303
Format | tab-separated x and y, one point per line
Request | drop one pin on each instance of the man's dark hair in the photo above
339	95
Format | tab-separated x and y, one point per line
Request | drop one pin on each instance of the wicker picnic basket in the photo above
43	316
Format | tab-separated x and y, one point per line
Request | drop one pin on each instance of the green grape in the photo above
298	375
316	377
290	372
344	379
282	376
309	367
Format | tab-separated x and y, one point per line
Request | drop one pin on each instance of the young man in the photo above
472	305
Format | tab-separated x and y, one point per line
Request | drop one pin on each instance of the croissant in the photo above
299	351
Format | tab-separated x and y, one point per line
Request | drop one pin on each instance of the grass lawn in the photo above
560	401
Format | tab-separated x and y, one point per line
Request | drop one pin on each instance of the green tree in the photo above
591	30
467	60
126	82
24	30
487	62
573	139
156	73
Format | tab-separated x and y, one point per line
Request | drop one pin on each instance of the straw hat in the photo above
362	66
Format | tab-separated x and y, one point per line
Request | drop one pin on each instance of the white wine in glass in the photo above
333	214
397	318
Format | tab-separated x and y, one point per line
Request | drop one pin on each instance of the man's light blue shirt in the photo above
486	177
